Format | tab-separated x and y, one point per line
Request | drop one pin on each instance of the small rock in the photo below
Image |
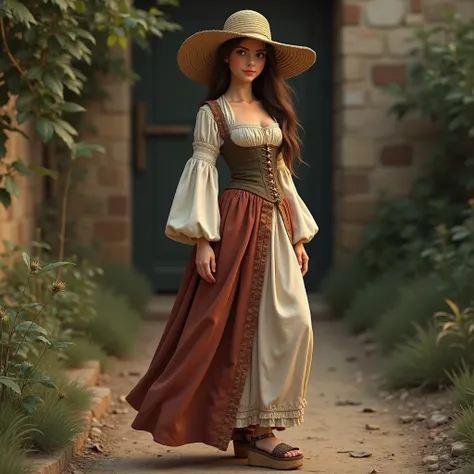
134	373
369	410
430	460
436	420
458	449
404	396
97	448
360	454
438	441
96	431
122	399
406	419
370	348
370	427
420	417
389	398
344	403
351	359
433	435
444	457
433	467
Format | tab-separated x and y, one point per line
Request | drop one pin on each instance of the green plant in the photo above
24	342
83	350
421	361
463	385
13	456
418	301
126	281
45	44
372	301
342	282
464	427
116	326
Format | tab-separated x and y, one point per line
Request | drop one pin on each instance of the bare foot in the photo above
269	444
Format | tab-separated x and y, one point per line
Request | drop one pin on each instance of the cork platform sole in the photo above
259	458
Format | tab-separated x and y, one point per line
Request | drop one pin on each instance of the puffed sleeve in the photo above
194	211
304	225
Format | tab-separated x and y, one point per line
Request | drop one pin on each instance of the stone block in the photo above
353	97
107	176
118	99
418	129
353	181
362	42
435	10
111	231
351	14
383	74
400	41
108	125
416	6
414	19
377	97
352	68
349	235
385	13
358	151
395	181
117	252
370	123
397	155
120	151
356	210
118	205
466	9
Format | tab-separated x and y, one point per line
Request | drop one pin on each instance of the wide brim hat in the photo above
197	54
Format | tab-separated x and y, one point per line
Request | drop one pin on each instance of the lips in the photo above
248	71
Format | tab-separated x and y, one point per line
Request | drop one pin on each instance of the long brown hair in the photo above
269	88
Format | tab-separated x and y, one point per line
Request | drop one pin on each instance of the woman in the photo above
234	360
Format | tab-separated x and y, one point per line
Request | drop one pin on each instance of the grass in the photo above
128	282
342	282
115	328
417	304
464	427
463	386
83	351
372	301
13	456
420	361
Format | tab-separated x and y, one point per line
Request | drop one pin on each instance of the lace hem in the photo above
277	417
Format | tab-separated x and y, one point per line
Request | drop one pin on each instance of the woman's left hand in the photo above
302	256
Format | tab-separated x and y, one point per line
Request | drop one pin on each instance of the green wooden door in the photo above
169	102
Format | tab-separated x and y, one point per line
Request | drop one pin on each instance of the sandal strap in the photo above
282	449
254	439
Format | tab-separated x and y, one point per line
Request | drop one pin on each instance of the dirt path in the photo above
340	372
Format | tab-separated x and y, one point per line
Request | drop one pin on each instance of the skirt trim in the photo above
251	324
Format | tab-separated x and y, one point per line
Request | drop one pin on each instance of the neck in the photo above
240	92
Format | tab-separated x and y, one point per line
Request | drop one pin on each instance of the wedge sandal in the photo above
276	459
241	445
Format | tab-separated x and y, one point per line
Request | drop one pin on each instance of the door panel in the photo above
172	99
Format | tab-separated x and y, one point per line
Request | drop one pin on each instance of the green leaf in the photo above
43	339
45	129
30	326
53	84
123	41
72	107
48	383
5	198
61	345
52	266
111	41
42	171
12	186
21	167
64	135
20	12
11	384
82	149
26	259
32	306
30	403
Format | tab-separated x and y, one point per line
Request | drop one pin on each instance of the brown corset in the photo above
253	169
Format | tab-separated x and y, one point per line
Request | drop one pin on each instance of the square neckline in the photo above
246	125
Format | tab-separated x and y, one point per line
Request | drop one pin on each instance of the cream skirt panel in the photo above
275	389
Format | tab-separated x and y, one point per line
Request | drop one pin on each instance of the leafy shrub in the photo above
418	302
464	427
82	351
421	361
372	301
342	282
13	458
463	386
115	329
126	281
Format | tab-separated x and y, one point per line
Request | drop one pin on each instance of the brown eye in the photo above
240	52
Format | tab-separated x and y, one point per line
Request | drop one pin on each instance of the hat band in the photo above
261	36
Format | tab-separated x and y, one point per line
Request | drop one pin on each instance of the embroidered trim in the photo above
281	417
219	117
243	363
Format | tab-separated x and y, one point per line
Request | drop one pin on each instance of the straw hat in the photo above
196	55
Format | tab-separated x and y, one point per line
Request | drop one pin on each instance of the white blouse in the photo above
195	211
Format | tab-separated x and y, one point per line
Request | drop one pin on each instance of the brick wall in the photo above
103	201
17	224
374	152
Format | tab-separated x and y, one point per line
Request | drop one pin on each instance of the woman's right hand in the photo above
205	260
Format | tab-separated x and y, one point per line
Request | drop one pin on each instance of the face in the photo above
246	61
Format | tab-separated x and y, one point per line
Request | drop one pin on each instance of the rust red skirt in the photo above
192	389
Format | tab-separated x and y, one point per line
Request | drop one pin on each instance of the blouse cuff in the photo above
195	211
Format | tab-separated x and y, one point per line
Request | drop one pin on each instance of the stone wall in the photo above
17	224
102	204
374	152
